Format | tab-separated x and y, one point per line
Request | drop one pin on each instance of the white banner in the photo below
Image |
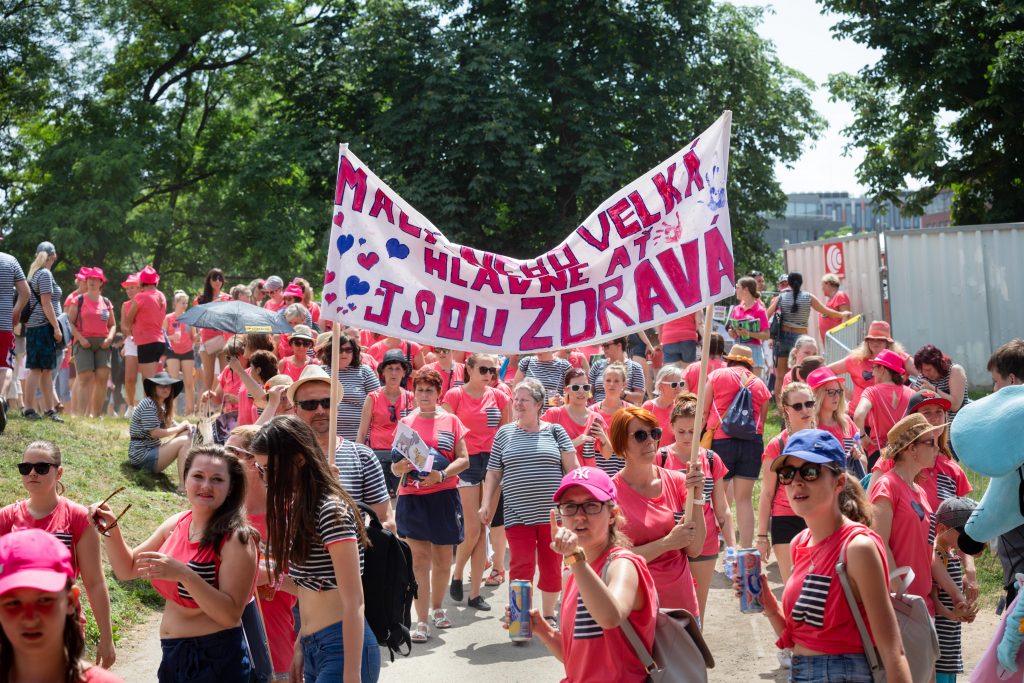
657	249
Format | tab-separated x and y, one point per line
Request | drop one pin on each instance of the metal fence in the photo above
842	339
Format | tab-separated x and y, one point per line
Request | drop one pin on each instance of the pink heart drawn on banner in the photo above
330	297
339	218
368	260
329	277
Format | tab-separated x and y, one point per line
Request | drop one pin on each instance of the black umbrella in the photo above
237	317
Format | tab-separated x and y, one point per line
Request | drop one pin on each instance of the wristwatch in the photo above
577	556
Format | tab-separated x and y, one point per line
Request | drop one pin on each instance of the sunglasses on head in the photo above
808	472
579	387
800	406
487	370
260	470
301	342
40	467
642	435
314	403
240	452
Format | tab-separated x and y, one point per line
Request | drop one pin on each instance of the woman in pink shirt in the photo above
92	323
606	586
668	384
679	339
858	363
653	501
212	342
181	356
814	619
453	374
144	321
882	404
748	322
835	299
300	342
586	427
834	419
383	408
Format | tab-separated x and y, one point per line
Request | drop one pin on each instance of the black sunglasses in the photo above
808	472
488	371
641	435
301	342
800	406
392	414
40	467
313	403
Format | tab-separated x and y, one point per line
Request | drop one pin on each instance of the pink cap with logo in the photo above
34	559
592	479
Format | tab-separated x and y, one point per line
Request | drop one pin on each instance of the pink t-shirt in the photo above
441	433
679	330
230	384
725	383
409	349
288	366
91	318
576	359
717	472
381	432
585	452
314	311
180	335
943	481
274	306
663	415
95	674
757	316
247	414
780	502
818	616
826	323
450	379
883	415
205	334
650	519
124	311
277	614
606	416
481	416
911	524
593	655
67	522
148	325
691	375
860	374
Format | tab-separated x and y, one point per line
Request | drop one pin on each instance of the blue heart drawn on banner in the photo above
345	243
396	249
355	287
362	241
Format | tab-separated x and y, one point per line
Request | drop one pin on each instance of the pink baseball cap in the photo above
34	559
294	290
820	377
592	479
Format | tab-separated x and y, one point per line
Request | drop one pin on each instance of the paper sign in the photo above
411	446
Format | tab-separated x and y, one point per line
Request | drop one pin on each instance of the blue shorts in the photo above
474	475
742	458
840	668
784	344
221	657
757	352
684	351
434	517
324	655
149	460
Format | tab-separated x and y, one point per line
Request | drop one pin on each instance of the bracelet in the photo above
444	475
700	501
762	535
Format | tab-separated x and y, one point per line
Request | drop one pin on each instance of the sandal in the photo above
441	619
420	633
496	578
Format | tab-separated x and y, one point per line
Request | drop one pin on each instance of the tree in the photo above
507	122
942	105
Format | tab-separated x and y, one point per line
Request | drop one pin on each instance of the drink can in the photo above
519	627
748	568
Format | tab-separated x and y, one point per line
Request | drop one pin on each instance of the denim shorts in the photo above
221	657
757	352
830	669
685	351
324	655
784	345
474	475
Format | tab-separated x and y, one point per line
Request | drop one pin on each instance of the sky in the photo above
803	40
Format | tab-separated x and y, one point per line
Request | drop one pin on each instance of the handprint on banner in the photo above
669	232
716	195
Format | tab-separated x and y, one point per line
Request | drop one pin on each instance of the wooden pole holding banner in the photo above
698	422
332	439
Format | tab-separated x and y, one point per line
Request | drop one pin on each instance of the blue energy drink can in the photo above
748	569
519	627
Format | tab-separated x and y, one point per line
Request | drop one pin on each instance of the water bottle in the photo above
730	563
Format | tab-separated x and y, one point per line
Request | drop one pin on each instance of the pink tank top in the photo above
203	560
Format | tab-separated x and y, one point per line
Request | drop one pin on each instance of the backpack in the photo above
26	312
917	629
739	422
680	653
389	586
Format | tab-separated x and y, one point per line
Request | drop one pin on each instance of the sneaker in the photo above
30	414
52	414
785	658
3	414
456	590
479	603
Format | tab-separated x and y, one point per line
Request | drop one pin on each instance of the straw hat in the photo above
907	431
740	354
313	373
278	380
879	329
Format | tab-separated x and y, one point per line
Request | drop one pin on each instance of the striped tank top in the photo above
800	316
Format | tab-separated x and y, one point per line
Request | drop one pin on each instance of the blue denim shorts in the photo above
324	655
221	657
830	669
474	475
784	345
685	351
149	461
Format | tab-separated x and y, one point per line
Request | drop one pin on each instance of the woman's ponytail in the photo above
853	502
796	281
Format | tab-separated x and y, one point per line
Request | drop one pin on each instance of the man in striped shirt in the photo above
14	295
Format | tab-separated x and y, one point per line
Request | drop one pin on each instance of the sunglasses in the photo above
800	406
314	403
834	393
579	387
392	414
437	350
240	452
487	371
301	342
346	349
808	472
217	277
930	443
642	435
590	507
673	385
103	528
40	467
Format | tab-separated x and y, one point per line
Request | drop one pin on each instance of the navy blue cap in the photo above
813	445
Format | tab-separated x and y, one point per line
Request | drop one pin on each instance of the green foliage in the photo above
839	232
942	105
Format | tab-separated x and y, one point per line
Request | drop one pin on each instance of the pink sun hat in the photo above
34	559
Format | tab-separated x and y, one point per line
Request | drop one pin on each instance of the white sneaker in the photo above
785	658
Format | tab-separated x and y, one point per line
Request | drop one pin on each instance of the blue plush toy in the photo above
988	437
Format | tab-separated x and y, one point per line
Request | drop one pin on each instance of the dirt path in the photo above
743	647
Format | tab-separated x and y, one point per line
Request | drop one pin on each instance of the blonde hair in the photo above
862	352
791	389
666	372
619	368
800	341
180	295
839	414
831	279
38	262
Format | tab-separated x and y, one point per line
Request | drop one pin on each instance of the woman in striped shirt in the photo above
943	376
316	535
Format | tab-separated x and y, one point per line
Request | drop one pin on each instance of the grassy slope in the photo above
95	463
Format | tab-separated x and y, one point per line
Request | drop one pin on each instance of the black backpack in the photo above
389	586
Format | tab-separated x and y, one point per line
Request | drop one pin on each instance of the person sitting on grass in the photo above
153	420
